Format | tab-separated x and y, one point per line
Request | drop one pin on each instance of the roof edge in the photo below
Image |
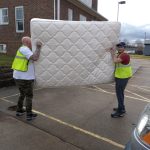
88	9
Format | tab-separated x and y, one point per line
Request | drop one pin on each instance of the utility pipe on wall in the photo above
58	9
54	10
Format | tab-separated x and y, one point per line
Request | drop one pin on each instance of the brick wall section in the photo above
94	4
32	9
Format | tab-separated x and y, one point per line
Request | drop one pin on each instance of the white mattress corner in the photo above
74	52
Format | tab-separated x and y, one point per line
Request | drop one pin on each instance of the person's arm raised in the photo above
114	57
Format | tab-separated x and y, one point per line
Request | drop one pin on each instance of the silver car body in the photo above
140	138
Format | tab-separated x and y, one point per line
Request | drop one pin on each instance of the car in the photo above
140	138
131	51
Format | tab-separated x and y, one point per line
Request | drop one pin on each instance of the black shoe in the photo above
117	114
20	113
31	116
116	109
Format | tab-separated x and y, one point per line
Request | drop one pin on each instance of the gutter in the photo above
56	8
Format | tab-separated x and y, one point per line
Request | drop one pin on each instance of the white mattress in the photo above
74	52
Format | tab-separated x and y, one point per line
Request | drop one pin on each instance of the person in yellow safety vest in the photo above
123	72
24	76
20	62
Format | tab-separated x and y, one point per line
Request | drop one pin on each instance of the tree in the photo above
140	47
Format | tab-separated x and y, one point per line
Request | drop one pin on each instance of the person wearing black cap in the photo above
123	72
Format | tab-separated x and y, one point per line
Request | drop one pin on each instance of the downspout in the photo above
58	9
54	10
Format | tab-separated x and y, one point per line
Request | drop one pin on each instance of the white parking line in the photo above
82	130
7	100
140	77
75	127
104	91
136	86
9	96
139	87
18	94
137	95
144	88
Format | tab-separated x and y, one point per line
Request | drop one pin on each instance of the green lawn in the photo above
140	57
6	60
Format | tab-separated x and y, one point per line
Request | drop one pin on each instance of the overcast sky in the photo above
134	16
134	12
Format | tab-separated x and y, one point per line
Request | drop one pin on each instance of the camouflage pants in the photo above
26	91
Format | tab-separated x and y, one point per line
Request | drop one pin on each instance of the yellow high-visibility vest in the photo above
123	71
20	62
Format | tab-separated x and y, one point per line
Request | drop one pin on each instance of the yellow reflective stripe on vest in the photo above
20	62
20	57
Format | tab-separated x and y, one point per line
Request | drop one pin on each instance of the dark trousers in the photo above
26	91
120	87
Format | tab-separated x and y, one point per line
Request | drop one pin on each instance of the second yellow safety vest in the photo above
123	71
20	62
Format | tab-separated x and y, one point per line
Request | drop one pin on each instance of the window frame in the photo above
70	14
19	20
4	50
2	22
82	18
87	2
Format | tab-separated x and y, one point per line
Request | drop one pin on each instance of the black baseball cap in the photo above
121	44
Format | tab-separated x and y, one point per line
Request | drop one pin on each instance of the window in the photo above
87	2
2	48
82	18
70	14
3	16
19	16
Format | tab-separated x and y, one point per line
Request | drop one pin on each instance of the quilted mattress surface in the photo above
74	52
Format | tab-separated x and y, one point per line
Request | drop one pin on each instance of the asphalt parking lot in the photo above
75	118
